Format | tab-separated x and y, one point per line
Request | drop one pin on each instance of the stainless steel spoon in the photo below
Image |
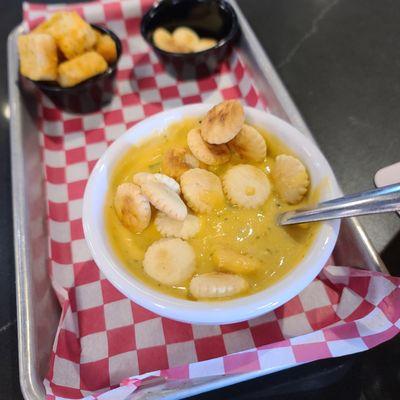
384	199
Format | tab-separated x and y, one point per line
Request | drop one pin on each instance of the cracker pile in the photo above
181	40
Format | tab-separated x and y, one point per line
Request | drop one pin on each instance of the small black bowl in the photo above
208	18
88	96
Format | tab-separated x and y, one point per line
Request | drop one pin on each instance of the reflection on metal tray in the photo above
38	311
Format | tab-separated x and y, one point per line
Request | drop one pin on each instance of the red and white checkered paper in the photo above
106	346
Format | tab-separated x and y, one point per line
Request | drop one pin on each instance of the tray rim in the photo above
31	387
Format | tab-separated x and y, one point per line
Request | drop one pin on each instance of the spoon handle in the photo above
384	199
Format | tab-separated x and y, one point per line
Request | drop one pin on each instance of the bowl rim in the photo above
202	312
55	87
221	43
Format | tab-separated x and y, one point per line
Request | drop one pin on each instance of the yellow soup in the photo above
253	231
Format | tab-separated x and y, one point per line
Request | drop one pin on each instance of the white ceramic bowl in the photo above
201	312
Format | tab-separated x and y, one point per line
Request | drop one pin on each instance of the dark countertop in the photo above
340	60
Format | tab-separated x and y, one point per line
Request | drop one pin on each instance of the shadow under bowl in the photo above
208	18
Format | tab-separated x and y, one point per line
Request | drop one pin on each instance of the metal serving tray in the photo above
37	307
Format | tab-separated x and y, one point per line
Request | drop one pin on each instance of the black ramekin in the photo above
87	96
209	18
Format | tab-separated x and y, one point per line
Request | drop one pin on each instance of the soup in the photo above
251	231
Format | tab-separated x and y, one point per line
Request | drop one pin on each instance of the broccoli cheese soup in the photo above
193	213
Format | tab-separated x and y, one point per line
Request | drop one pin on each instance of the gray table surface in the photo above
340	61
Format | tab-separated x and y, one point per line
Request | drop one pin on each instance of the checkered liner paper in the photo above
106	346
